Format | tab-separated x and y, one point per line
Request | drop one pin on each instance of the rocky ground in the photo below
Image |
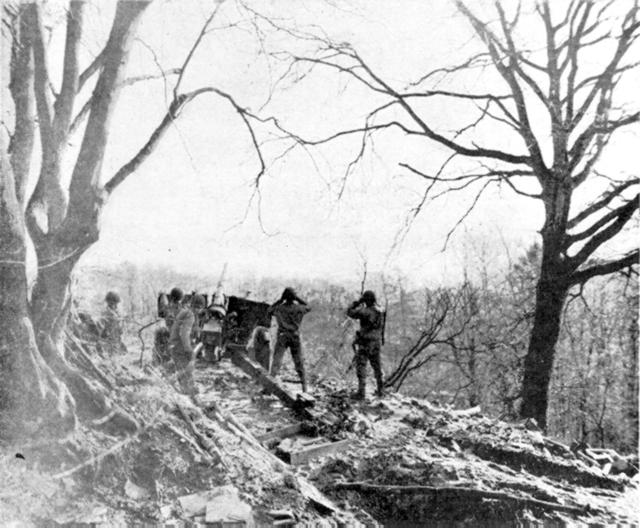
402	459
395	461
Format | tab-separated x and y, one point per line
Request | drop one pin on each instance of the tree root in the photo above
204	441
461	493
87	361
95	459
115	447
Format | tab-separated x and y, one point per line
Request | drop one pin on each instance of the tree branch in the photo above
203	30
64	102
605	268
176	107
602	202
86	173
41	76
599	224
95	65
21	86
458	493
604	80
507	73
624	215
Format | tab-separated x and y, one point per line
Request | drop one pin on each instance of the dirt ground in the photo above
398	462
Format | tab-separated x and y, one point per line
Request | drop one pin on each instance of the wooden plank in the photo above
240	358
304	455
299	403
279	434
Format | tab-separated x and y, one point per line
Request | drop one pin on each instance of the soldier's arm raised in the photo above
354	310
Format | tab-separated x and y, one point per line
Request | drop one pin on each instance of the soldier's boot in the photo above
361	392
379	384
361	373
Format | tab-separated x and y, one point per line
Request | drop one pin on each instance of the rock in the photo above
228	509
290	481
196	503
166	511
135	492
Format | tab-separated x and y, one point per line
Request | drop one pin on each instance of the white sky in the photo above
185	206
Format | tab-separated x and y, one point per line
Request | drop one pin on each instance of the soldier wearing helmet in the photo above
180	346
172	309
368	340
289	311
110	325
168	308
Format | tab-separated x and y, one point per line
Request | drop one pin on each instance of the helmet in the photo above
219	311
112	298
176	295
197	301
289	294
369	298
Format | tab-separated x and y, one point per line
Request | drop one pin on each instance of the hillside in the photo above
338	463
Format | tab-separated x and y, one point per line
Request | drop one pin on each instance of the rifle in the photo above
384	318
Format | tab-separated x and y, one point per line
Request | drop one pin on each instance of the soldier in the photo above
168	308
289	311
173	308
259	344
368	340
110	326
180	343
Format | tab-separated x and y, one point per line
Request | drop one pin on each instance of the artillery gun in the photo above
226	322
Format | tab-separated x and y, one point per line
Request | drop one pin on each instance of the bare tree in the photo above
558	113
446	317
61	220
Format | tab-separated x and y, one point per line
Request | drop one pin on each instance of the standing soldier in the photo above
289	311
173	308
368	340
110	325
260	345
180	343
168	308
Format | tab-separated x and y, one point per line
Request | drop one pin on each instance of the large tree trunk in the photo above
551	293
38	383
538	365
31	395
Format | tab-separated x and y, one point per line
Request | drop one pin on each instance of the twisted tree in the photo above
61	216
540	127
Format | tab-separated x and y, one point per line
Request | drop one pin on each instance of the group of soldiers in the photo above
181	314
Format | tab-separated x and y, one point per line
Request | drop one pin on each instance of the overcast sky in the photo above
186	206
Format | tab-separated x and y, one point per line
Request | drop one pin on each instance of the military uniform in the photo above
110	327
368	343
260	344
181	350
289	317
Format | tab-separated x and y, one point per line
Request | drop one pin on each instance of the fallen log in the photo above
205	442
464	413
460	493
298	402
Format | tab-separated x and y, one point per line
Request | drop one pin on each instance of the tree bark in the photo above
551	292
31	395
38	386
